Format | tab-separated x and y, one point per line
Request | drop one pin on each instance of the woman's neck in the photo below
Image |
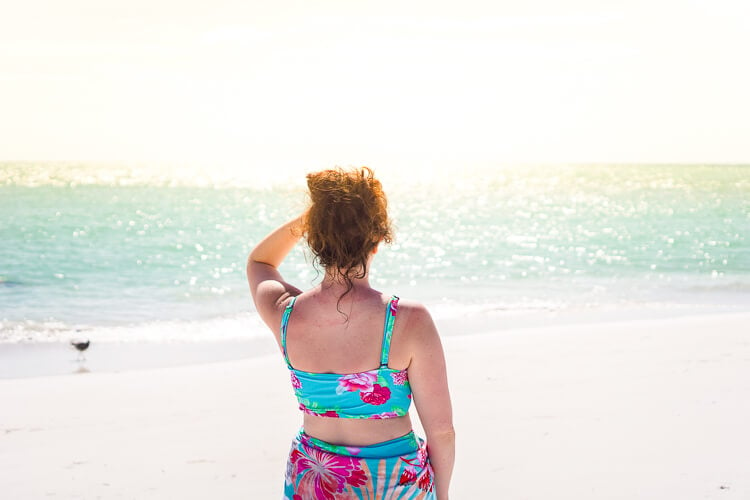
334	283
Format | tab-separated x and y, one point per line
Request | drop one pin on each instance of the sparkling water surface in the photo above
140	250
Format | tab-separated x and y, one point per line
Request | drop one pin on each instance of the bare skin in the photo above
321	339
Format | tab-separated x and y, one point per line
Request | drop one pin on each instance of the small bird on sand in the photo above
81	346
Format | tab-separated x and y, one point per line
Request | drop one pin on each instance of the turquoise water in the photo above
87	246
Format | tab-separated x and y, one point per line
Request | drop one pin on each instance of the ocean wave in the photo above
236	327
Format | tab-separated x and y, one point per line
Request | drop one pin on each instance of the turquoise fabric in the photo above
379	393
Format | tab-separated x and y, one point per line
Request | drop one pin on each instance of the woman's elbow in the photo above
444	433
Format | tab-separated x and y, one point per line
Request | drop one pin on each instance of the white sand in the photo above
656	409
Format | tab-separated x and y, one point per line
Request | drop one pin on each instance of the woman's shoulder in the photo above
411	307
414	319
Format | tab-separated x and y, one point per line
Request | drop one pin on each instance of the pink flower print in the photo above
357	382
378	396
422	456
295	381
324	474
418	469
399	377
425	481
394	307
385	414
409	475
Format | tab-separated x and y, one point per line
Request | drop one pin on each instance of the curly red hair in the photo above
347	219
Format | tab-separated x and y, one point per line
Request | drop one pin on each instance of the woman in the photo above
356	357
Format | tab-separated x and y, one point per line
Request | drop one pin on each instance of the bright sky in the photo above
362	82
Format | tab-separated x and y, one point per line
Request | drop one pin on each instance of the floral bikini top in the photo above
380	393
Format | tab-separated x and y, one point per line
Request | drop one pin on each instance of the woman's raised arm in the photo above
267	286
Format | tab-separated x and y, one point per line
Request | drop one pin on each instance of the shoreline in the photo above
50	358
632	409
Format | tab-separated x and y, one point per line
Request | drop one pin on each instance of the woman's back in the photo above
356	359
324	336
347	339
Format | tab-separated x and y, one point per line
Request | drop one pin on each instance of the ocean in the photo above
138	253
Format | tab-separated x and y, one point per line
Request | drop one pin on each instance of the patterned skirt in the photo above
398	468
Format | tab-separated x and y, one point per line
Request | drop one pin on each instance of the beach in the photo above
594	319
626	409
568	194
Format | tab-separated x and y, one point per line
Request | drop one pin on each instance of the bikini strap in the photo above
284	323
390	318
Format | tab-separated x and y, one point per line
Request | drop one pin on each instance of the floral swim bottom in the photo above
318	470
